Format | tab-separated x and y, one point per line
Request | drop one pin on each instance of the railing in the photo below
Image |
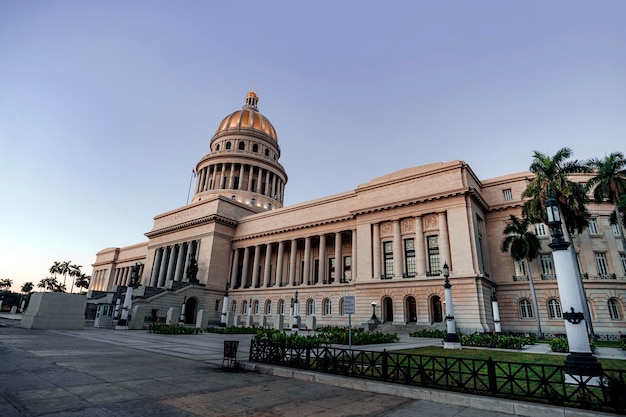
520	277
526	382
548	277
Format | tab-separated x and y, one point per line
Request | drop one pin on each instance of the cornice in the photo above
214	218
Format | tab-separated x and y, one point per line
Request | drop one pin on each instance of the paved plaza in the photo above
100	372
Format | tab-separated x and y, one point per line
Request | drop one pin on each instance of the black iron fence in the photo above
548	384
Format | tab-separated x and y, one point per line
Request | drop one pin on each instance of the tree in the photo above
524	247
55	268
609	183
66	268
51	284
27	287
6	283
82	281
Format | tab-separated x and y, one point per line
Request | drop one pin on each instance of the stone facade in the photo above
385	241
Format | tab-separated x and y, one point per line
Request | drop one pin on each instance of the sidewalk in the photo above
100	372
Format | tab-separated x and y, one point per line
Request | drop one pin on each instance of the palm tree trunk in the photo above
535	303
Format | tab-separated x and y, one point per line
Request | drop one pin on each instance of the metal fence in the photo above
546	384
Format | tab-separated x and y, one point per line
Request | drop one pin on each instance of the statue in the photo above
134	275
192	270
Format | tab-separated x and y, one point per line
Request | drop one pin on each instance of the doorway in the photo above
435	309
411	309
191	306
387	309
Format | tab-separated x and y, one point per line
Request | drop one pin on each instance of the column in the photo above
164	265
234	269
255	266
258	181
244	271
323	260
338	260
250	175
268	188
273	193
307	260
376	249
241	170
420	250
292	262
171	268
220	178
213	178
444	246
353	270
267	270
231	179
398	264
155	268
279	263
180	262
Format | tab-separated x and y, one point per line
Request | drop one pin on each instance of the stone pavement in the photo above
99	372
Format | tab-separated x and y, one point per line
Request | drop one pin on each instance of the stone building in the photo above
384	242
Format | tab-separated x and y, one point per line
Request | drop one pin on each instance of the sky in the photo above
106	107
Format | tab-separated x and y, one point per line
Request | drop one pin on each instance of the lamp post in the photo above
295	322
374	319
181	319
225	306
580	363
496	311
451	341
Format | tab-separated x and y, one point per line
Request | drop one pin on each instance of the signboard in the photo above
348	304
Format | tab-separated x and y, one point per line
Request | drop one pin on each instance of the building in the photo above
384	241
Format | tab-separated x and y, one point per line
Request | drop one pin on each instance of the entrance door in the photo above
435	308
190	310
411	309
388	309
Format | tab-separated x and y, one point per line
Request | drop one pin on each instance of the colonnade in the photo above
99	280
122	275
299	261
170	263
238	176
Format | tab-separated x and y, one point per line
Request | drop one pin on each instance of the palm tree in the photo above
524	247
55	268
27	287
552	180
42	283
73	273
609	184
82	281
6	283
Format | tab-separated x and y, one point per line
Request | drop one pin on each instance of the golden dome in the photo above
248	118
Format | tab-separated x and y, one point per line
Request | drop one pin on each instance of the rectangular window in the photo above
614	310
540	229
388	249
603	267
593	227
622	257
526	310
331	270
316	271
616	230
547	267
409	257
507	194
434	263
520	271
347	269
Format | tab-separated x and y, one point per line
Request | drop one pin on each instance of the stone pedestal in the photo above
231	319
311	323
249	321
138	317
202	321
173	314
55	310
279	322
263	322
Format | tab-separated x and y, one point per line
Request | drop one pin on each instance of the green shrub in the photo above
560	344
492	340
162	328
232	330
623	343
324	336
438	334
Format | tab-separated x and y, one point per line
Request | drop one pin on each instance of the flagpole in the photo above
193	174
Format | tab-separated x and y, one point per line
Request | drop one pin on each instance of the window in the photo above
616	230
434	263
347	269
554	309
233	307
241	145
547	266
310	307
622	257
540	229
507	194
268	307
520	271
525	309
614	309
409	257
331	270
341	309
281	306
228	145
603	267
267	152
388	249
244	307
217	147
255	148
327	307
593	227
255	307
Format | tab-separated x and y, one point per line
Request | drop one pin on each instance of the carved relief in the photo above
386	229
431	222
407	225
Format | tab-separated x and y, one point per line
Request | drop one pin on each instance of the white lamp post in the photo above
225	305
451	341
496	311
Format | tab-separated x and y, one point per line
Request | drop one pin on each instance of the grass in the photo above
507	356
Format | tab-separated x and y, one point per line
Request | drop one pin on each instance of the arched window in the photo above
341	312
267	152
327	307
310	307
244	307
242	145
228	145
255	148
614	309
268	307
255	307
281	307
525	309
554	309
233	307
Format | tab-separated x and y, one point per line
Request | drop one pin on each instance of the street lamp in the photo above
496	311
374	319
225	306
580	364
451	341
295	323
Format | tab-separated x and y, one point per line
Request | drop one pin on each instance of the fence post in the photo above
308	358
491	374
385	364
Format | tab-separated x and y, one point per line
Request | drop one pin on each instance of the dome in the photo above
248	118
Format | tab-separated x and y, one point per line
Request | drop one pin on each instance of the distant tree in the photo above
83	281
51	284
609	183
55	268
6	283
27	287
524	246
42	283
65	268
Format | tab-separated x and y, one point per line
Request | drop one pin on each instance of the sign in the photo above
348	304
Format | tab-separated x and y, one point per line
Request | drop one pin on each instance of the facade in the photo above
385	241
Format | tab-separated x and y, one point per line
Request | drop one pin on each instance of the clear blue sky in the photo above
105	107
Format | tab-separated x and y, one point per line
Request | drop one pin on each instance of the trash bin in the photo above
230	353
